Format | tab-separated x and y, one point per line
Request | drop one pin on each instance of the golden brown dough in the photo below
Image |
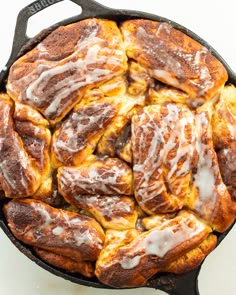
36	138
61	232
224	136
125	152
19	174
123	144
36	141
163	155
162	93
114	87
138	78
112	212
48	192
133	261
24	112
122	136
92	95
174	58
175	164
192	258
129	105
86	268
55	74
224	118
109	176
78	136
149	222
212	200
116	91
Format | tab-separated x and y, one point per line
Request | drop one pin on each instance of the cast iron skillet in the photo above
185	284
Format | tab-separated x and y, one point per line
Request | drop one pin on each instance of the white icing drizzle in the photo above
7	175
148	172
47	220
160	241
207	178
93	180
58	230
159	141
69	230
43	53
129	263
151	163
185	146
111	211
164	28
89	51
84	123
108	204
197	62
172	70
85	237
157	48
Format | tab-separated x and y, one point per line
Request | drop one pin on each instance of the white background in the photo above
214	21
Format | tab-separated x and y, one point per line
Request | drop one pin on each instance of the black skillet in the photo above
185	284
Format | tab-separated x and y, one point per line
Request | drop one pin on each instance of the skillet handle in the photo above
89	8
188	284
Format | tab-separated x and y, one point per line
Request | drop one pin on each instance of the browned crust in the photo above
143	266
86	268
112	212
56	58
154	145
194	257
110	176
62	232
19	176
78	136
174	58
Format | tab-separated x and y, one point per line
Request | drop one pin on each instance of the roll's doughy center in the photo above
120	124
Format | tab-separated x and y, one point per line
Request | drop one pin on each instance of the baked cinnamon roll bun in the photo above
118	150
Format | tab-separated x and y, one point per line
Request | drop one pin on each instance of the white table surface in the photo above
214	21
